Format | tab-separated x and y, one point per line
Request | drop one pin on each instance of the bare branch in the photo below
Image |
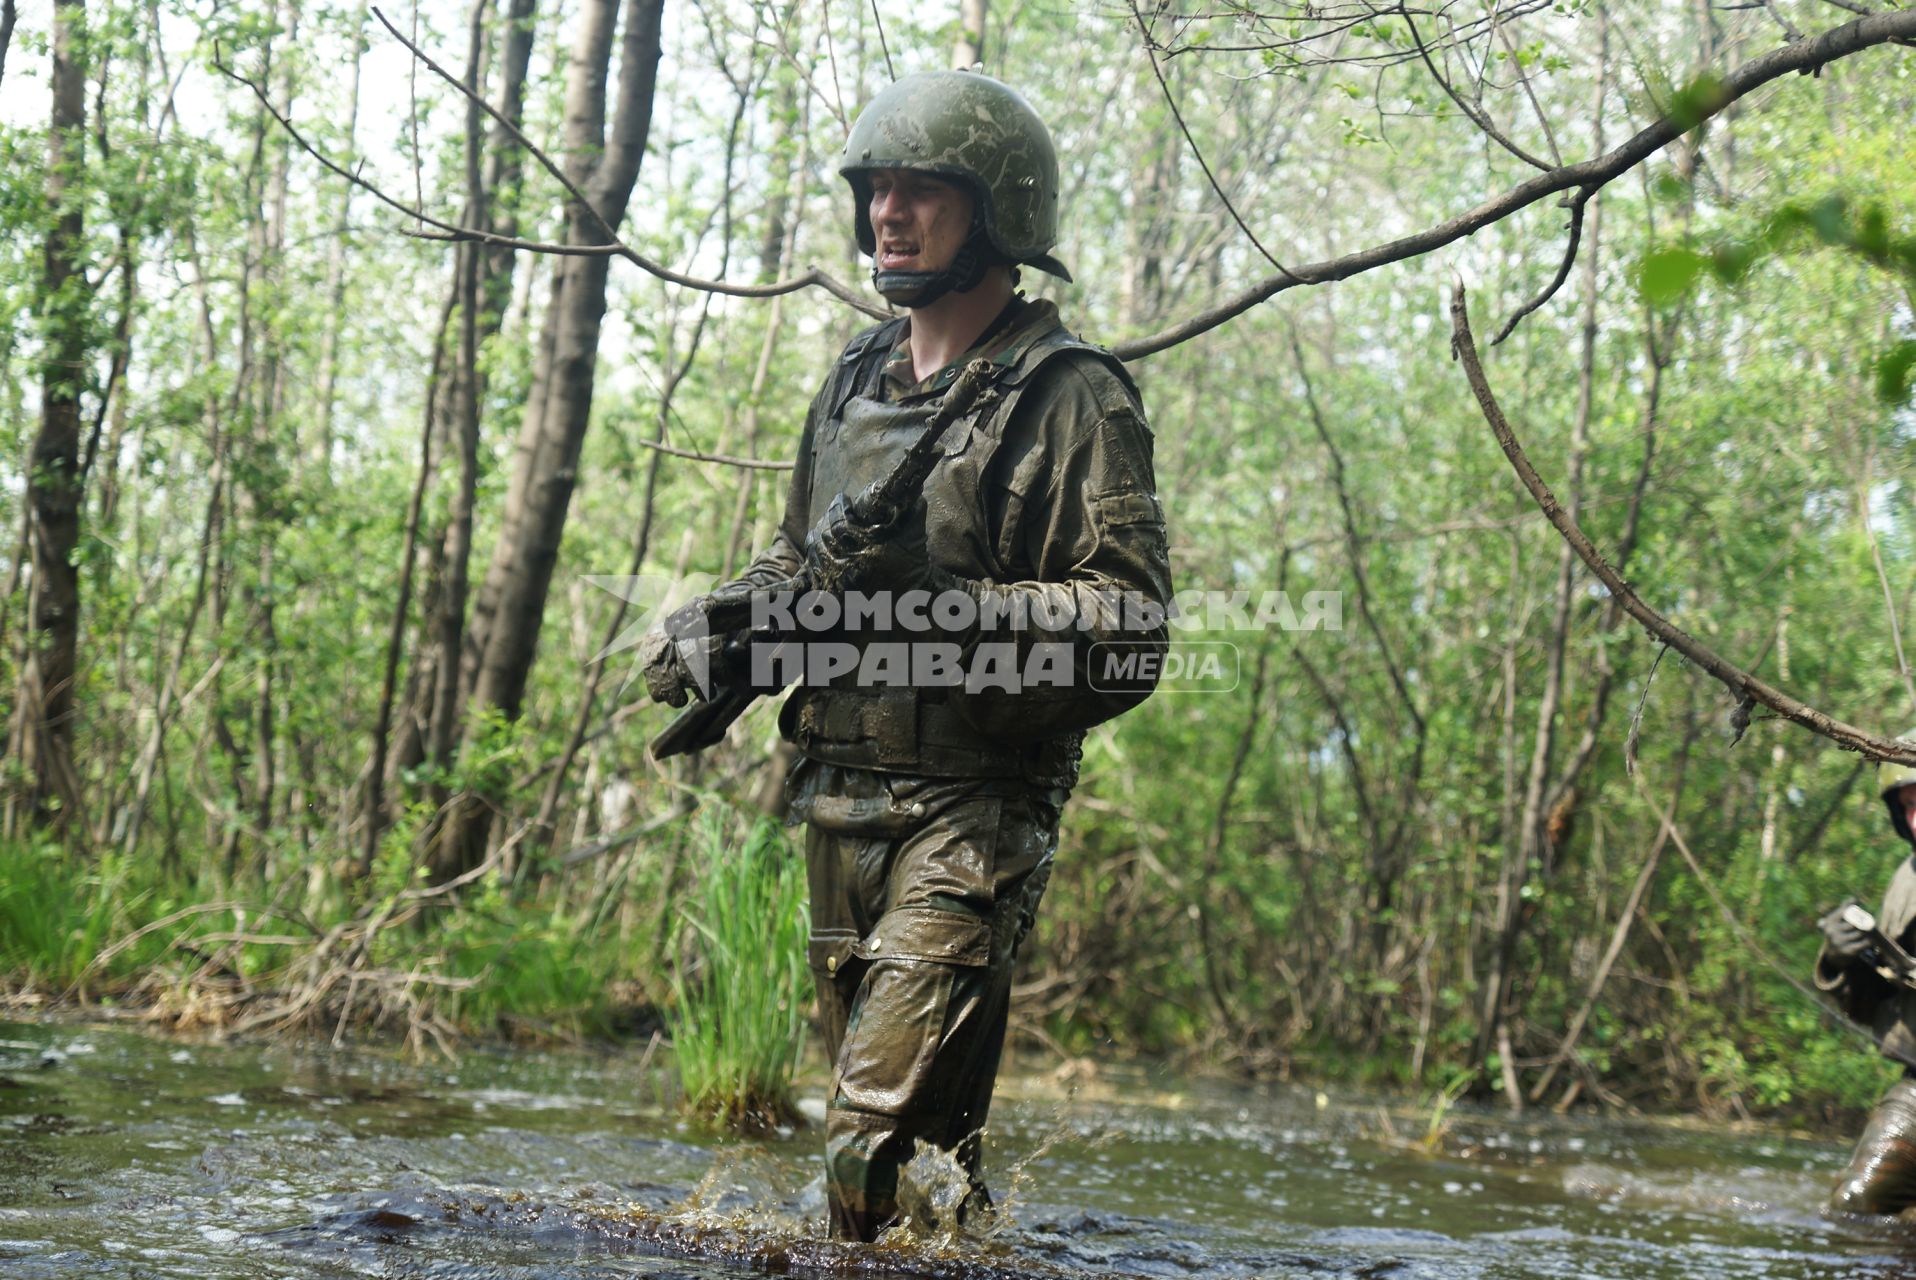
1563	269
1530	92
1882	577
879	22
615	245
1345	21
452	233
757	464
1747	688
1150	53
1474	112
1803	56
512	129
1789	28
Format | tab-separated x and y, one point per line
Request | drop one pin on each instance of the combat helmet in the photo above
965	126
1891	778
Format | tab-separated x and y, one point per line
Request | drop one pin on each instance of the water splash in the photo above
939	1207
933	1191
749	1188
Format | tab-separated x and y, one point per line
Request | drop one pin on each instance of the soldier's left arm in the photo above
1073	497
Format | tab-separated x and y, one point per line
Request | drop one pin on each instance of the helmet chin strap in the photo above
922	288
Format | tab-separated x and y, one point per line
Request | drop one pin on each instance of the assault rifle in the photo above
1883	954
714	632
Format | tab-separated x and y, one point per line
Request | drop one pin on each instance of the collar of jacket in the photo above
1004	345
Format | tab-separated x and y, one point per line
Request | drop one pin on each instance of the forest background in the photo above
321	514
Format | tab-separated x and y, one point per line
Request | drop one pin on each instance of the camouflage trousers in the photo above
922	890
1881	1177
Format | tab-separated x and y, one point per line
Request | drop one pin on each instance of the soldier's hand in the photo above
840	555
666	678
1841	938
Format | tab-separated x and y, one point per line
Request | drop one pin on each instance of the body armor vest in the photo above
858	438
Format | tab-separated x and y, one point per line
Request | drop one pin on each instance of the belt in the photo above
901	731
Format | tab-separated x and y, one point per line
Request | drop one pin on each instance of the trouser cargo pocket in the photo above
922	965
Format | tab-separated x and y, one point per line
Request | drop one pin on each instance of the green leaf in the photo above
1872	234
1893	370
1669	187
1830	219
1697	101
1731	262
1667	274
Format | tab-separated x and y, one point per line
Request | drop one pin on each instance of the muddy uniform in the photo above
1881	1177
933	812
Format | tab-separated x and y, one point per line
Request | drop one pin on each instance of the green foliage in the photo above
1666	276
56	916
1336	916
1893	370
1697	101
70	927
528	968
738	1012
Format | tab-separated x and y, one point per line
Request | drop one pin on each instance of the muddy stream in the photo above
126	1155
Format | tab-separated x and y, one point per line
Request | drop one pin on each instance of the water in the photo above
129	1156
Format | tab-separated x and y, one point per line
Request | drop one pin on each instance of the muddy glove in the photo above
666	677
698	648
1842	939
841	555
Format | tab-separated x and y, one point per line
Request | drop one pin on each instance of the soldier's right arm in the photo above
1842	972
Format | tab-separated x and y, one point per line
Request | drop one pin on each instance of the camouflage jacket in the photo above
1888	1010
1045	499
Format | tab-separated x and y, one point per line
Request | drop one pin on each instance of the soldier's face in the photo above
919	221
1907	798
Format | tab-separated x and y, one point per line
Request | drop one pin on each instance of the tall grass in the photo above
739	1008
74	926
56	915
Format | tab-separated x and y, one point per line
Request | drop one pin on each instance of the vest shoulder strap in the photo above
857	366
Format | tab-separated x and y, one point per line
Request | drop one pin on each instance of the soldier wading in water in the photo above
1881	1177
933	811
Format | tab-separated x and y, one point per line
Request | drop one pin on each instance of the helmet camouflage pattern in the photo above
1892	778
967	126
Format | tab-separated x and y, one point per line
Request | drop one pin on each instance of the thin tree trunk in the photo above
465	389
1646	875
970	49
320	456
265	501
511	606
1534	842
43	738
434	698
542	824
9	14
395	636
